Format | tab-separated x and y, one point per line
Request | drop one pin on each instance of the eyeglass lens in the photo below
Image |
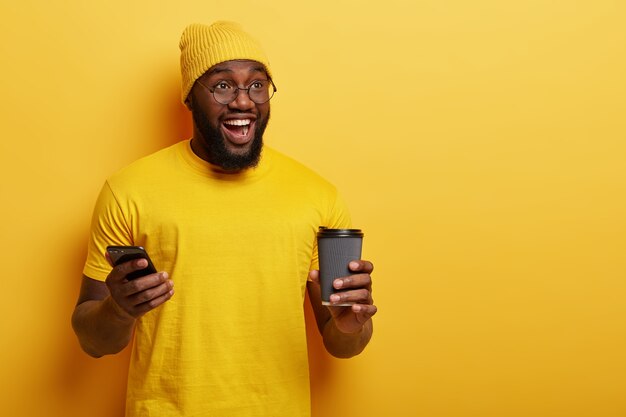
259	92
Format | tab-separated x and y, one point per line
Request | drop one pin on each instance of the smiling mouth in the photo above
238	127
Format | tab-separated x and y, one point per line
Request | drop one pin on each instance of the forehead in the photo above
236	67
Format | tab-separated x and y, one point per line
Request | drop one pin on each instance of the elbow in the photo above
94	350
97	352
77	326
343	352
346	345
84	333
90	352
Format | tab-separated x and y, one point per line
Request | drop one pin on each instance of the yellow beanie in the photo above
202	47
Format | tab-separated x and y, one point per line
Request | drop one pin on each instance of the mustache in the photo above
214	142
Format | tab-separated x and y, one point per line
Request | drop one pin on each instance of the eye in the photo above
222	85
257	85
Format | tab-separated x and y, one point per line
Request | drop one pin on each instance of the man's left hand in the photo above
357	289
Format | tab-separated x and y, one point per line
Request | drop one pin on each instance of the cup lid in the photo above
326	232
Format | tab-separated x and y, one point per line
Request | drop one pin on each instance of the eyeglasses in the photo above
259	91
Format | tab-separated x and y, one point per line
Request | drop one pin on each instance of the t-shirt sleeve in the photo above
338	217
108	227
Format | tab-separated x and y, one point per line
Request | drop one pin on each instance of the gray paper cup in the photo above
336	248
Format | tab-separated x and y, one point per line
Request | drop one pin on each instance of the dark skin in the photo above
346	330
106	312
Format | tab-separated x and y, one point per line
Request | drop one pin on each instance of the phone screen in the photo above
121	254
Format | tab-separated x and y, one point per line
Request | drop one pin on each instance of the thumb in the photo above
108	258
314	276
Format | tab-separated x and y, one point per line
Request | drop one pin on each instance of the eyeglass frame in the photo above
237	89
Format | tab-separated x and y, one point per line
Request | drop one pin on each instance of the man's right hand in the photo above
136	297
106	312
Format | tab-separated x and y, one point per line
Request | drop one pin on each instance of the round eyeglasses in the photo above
259	91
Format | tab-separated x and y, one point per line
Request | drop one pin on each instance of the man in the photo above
232	225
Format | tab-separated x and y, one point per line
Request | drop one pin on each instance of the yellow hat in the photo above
203	46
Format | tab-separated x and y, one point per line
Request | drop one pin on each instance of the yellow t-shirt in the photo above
231	341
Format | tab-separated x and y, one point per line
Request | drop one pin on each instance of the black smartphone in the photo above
121	254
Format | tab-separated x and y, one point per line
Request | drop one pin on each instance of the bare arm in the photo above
106	312
345	330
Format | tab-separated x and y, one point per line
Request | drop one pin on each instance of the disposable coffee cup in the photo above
336	248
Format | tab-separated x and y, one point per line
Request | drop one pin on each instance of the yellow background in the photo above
480	144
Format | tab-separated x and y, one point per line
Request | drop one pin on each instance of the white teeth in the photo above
237	122
245	130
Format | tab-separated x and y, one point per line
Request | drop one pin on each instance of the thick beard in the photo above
215	143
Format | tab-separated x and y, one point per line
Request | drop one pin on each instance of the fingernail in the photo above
357	308
334	298
338	283
164	275
354	265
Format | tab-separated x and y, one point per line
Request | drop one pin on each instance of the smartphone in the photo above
121	254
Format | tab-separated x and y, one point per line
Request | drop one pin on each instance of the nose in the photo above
242	101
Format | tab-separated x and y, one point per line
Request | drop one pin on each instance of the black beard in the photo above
214	143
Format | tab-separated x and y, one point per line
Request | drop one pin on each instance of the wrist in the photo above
351	331
344	344
117	312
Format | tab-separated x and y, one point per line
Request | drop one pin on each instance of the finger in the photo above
364	311
353	281
120	271
361	266
314	276
144	283
136	305
154	303
108	258
361	296
151	293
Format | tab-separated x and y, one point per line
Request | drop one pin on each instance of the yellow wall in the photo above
481	145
